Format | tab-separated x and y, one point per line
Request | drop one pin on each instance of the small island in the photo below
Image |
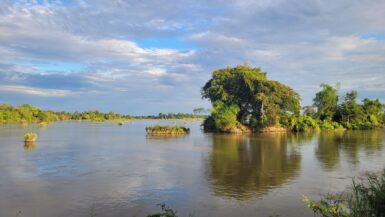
244	100
30	137
159	130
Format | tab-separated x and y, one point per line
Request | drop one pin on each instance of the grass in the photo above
366	199
166	130
30	137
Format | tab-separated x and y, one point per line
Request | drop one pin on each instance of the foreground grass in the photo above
166	130
366	199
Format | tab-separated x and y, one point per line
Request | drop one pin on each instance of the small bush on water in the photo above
30	137
367	199
167	130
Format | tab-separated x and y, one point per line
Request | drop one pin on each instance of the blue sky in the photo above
146	57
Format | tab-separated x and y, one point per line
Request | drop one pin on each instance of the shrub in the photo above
366	125
223	117
337	125
209	124
367	199
373	119
167	130
30	137
326	125
303	123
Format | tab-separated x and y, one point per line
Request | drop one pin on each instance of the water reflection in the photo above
165	137
123	172
30	146
242	167
332	144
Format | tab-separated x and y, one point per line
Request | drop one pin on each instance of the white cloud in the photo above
34	91
300	43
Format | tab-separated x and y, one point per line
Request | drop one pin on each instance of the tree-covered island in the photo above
245	100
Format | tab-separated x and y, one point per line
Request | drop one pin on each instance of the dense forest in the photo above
31	114
245	100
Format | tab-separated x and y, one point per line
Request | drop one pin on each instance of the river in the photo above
104	170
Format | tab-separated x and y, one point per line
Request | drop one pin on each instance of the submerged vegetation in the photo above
158	130
30	137
25	114
366	199
165	212
245	100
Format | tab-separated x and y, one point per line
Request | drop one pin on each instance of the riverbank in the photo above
27	114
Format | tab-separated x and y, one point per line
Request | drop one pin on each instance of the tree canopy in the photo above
243	97
326	102
31	114
260	102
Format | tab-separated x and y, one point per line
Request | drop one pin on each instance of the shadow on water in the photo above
331	145
242	167
165	137
30	146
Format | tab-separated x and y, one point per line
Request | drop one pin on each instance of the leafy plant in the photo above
30	137
367	199
167	130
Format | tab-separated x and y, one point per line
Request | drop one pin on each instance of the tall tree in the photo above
326	102
373	111
349	109
261	102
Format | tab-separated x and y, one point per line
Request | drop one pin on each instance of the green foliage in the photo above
167	130
359	116
261	102
329	125
303	123
347	113
174	116
326	102
367	199
328	207
224	117
30	137
30	114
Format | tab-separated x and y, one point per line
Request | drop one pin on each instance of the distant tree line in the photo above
244	98
31	114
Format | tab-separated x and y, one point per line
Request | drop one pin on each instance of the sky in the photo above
151	56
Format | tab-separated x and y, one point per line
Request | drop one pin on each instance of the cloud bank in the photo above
154	56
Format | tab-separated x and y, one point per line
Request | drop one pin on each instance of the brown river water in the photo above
105	170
